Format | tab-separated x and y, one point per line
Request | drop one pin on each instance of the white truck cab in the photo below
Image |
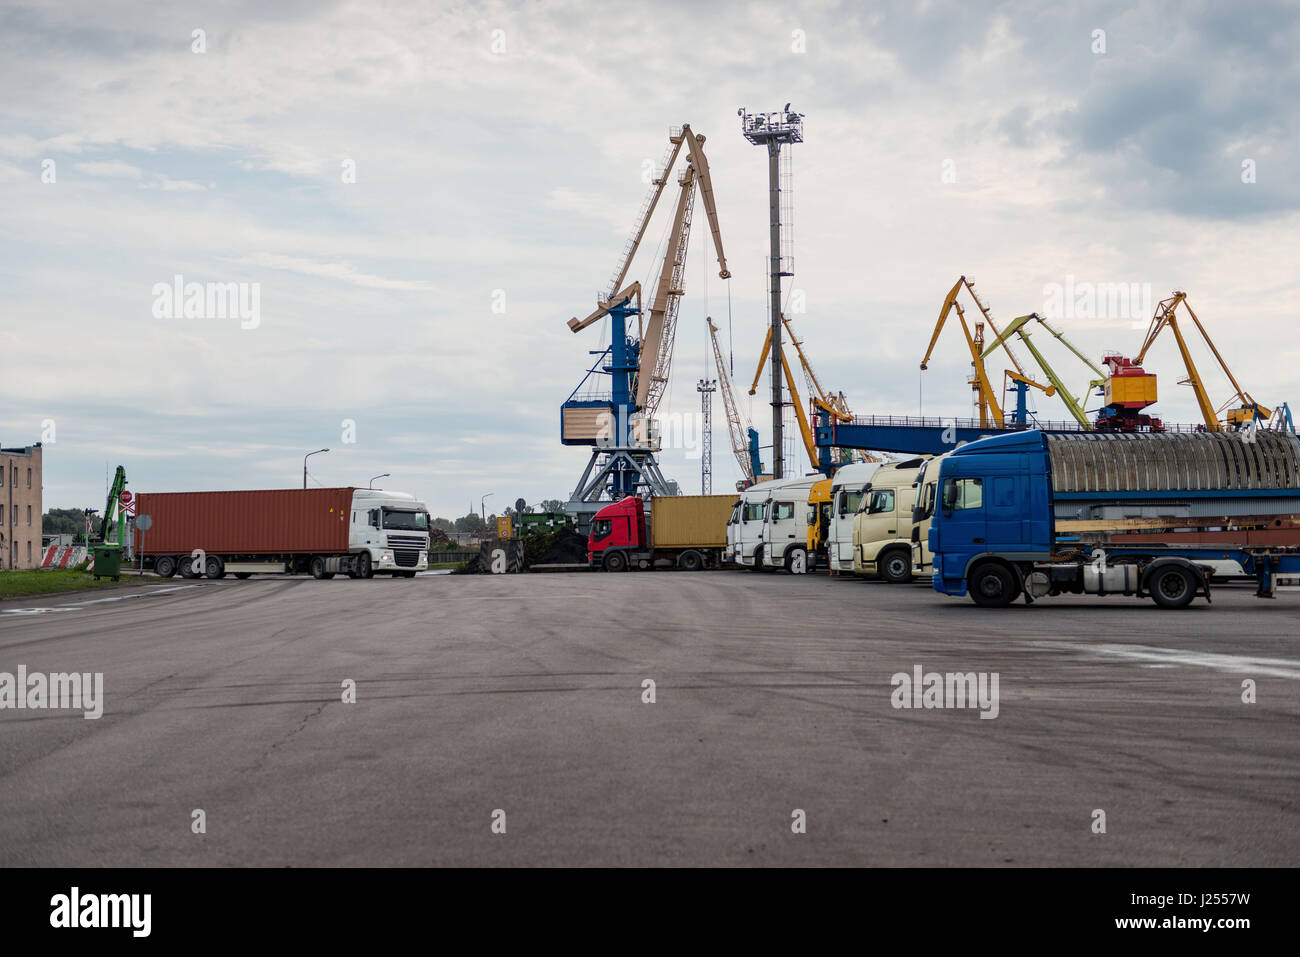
749	530
847	487
388	534
731	555
784	542
882	529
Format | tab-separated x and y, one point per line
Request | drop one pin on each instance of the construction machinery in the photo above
1072	403
744	438
832	404
985	397
1248	411
618	423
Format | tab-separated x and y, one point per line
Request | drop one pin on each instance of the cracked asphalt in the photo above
524	695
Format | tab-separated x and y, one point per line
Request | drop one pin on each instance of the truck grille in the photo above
406	549
406	557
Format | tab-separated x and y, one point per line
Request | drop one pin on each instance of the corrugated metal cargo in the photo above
690	521
259	522
1219	461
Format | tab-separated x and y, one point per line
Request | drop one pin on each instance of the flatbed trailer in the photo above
993	516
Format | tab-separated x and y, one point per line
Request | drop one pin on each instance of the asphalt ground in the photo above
519	700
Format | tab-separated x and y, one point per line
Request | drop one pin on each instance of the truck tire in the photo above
1172	586
758	560
214	567
165	566
895	566
690	561
797	558
318	568
615	562
365	568
992	585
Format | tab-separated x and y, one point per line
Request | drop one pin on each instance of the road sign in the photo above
143	522
125	497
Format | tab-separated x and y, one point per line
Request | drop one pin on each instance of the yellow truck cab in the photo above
882	528
819	521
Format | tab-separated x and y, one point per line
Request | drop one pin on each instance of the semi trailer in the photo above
322	532
685	531
992	509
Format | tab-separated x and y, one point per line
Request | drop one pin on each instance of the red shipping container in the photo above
257	522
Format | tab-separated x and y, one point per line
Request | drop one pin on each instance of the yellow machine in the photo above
1166	317
986	400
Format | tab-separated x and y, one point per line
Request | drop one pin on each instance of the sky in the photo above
423	194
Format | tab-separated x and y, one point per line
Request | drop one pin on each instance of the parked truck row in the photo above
1025	514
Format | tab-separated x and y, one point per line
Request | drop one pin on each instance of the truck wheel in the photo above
1172	587
615	562
363	566
243	576
895	566
992	586
318	568
758	560
186	567
796	561
165	566
214	567
691	561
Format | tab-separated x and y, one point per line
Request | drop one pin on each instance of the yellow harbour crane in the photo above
1165	317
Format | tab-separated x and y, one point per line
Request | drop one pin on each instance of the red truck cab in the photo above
619	525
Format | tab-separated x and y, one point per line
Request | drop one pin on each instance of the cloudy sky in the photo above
498	151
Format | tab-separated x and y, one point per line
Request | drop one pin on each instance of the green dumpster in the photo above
108	561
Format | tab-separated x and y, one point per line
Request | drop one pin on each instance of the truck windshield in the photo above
851	500
405	520
753	512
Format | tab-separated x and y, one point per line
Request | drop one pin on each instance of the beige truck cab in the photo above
882	527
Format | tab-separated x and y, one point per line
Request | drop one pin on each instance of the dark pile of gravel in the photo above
563	546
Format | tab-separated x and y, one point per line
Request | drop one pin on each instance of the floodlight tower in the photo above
706	388
774	130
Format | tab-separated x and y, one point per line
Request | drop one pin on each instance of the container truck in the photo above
992	508
686	531
882	544
322	531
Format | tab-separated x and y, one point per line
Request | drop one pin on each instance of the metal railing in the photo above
945	422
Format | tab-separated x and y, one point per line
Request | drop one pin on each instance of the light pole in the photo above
385	475
304	464
481	509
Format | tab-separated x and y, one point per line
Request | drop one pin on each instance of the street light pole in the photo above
481	509
304	464
385	475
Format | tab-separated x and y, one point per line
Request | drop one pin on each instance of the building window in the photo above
29	478
2	515
29	551
29	517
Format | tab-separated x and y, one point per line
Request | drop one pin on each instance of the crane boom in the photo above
738	430
656	358
1017	327
985	396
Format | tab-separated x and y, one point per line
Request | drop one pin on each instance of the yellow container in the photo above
690	521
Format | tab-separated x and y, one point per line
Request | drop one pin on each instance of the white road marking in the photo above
1169	657
75	606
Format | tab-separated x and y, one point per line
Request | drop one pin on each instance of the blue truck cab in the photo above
994	499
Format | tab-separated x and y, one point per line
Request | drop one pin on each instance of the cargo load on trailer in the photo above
324	531
686	531
990	512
